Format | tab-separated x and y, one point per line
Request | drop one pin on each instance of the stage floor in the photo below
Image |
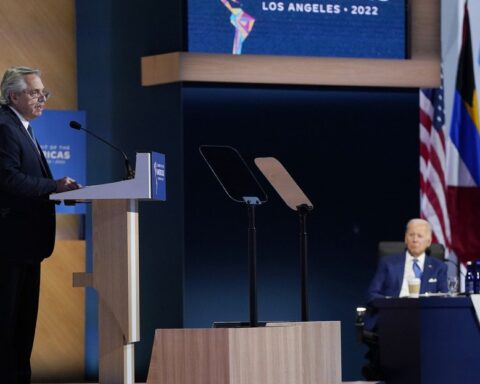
344	382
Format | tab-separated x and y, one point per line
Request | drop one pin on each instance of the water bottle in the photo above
470	279
476	284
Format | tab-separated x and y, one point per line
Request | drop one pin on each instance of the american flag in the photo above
433	185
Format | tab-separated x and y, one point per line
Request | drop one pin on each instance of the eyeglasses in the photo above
37	94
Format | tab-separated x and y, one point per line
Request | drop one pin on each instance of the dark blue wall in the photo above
112	36
354	152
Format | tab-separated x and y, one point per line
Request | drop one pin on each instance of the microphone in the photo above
130	173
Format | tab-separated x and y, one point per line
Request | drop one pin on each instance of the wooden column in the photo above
115	277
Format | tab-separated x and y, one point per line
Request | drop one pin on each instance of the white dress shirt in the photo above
408	272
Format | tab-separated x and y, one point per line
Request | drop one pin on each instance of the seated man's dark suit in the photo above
389	277
387	282
27	230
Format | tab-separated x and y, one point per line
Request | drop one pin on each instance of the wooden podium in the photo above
115	273
279	353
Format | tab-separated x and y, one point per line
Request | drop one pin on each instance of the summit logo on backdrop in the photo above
57	154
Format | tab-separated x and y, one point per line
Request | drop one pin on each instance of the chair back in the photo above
391	247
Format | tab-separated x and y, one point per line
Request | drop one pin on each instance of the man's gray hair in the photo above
420	221
13	81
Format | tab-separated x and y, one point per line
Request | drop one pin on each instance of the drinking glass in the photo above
452	285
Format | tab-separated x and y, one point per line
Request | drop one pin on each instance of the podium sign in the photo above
157	166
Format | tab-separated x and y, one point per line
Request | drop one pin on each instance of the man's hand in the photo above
66	184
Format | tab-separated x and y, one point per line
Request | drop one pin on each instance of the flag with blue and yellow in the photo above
463	191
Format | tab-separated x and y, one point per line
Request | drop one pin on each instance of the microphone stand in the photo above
128	167
294	197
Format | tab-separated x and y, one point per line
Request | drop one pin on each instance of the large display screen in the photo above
334	28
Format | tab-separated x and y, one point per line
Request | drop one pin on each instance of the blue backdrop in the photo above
64	148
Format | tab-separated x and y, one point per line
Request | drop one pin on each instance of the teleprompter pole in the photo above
252	265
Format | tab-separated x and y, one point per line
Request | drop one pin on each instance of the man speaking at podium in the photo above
27	218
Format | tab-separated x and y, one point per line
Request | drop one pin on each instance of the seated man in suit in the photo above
391	280
394	271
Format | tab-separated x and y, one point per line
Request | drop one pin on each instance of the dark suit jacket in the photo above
389	277
27	217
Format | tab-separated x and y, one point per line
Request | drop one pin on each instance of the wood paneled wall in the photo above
41	34
59	341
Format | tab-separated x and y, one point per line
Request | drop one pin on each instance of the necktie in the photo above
32	136
30	132
416	269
